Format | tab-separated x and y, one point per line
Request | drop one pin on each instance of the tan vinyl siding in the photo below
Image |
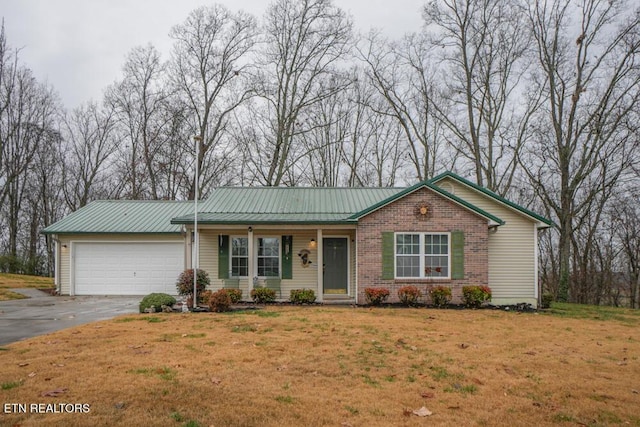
209	254
68	239
511	248
303	277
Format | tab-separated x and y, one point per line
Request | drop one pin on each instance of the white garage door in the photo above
127	268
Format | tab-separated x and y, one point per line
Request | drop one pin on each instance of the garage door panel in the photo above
129	268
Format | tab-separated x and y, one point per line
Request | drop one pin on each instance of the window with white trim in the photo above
268	256
239	257
423	255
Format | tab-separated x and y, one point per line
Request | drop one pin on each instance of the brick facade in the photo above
403	215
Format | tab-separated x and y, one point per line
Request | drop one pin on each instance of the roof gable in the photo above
426	184
490	194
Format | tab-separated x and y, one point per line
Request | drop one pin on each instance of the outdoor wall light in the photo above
313	243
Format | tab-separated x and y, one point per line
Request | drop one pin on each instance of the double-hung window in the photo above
423	255
239	257
268	256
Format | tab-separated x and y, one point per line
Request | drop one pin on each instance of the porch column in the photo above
188	238
252	265
320	279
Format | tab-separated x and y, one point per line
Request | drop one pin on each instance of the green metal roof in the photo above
122	216
257	205
438	190
280	205
493	195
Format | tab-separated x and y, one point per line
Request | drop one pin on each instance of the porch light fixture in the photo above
312	243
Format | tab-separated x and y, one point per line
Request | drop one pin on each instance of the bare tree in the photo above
87	155
482	58
625	214
305	42
374	153
208	64
44	205
139	100
591	87
26	123
402	74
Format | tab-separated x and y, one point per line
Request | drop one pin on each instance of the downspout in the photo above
56	264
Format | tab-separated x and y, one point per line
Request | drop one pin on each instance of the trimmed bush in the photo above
302	296
263	295
409	295
376	296
220	301
235	295
440	295
157	300
475	296
185	282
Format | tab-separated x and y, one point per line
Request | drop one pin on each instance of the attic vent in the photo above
448	187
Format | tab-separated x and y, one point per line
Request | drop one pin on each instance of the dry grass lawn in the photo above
13	281
334	366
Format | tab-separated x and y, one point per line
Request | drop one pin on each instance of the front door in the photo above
335	255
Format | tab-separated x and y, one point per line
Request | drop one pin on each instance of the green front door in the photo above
335	256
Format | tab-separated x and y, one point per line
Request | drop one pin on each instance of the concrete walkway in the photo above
41	313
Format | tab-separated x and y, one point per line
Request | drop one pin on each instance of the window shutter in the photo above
388	270
223	257
287	262
457	255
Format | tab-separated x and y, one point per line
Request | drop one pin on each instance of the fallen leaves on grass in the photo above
422	412
54	393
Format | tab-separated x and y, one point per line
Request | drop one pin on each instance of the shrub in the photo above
185	282
474	296
157	300
409	295
440	295
302	296
376	296
263	295
220	301
546	300
235	295
204	296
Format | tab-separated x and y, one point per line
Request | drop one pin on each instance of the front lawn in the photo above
313	366
17	281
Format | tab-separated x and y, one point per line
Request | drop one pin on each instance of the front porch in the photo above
283	258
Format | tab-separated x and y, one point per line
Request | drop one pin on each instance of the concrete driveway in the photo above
41	313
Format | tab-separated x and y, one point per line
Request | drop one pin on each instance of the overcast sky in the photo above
79	46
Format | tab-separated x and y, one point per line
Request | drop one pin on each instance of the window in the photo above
422	255
268	256
239	257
